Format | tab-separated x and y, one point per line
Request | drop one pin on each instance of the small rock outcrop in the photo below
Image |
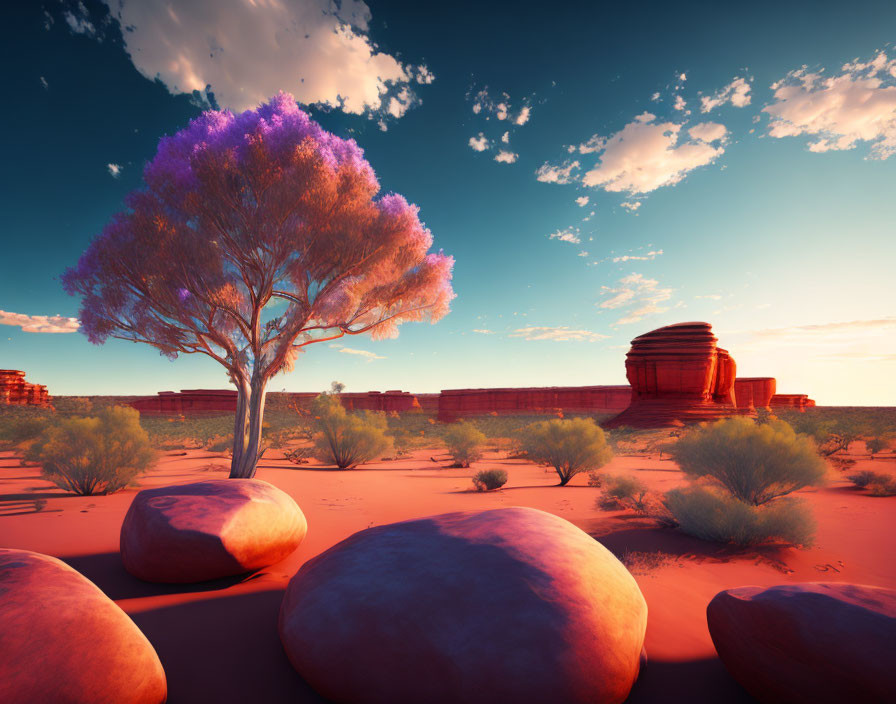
15	391
799	402
678	374
818	643
206	530
508	605
754	393
63	640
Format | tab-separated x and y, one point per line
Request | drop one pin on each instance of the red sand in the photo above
218	641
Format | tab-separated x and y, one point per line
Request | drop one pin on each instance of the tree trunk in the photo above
250	455
240	428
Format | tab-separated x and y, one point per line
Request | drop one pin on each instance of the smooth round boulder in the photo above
508	605
206	530
63	640
809	642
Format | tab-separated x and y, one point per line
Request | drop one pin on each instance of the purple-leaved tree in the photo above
240	212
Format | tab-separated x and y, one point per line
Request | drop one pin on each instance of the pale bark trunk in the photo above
250	454
240	428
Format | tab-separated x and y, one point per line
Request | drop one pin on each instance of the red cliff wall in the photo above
459	403
15	391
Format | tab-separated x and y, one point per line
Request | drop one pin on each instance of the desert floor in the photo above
218	641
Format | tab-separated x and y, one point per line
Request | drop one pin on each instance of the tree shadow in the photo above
38	494
107	572
704	681
225	649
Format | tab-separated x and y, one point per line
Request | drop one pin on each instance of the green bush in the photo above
877	483
220	443
464	443
16	430
489	479
627	490
875	445
711	515
756	463
98	455
348	439
570	446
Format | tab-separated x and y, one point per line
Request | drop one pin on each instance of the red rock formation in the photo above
754	392
459	403
798	401
509	605
15	391
678	374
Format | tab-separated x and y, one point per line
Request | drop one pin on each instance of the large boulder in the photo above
63	640
201	531
810	642
509	605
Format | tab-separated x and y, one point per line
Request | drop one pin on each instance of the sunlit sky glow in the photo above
596	171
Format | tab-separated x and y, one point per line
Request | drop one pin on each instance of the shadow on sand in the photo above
225	649
693	681
107	572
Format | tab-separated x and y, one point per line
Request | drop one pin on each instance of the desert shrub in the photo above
877	483
488	479
73	405
97	455
712	515
16	429
627	490
464	443
884	485
220	443
348	439
297	455
756	463
570	446
595	479
875	445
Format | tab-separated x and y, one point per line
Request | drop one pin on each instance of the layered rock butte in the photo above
15	391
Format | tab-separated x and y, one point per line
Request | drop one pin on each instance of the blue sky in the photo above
738	166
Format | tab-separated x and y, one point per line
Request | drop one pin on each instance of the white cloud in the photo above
570	235
369	356
583	253
548	173
708	132
858	105
594	143
39	323
737	93
43	82
114	170
505	138
80	23
484	331
557	334
501	111
523	117
480	143
582	201
711	296
638	257
679	103
682	76
655	97
501	107
646	155
642	295
631	206
506	157
245	52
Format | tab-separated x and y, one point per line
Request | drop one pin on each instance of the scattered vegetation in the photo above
747	468
220	443
625	491
595	479
96	455
877	483
875	445
298	455
570	446
348	439
464	443
755	463
489	479
709	514
645	562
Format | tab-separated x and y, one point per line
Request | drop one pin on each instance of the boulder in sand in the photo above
810	642
206	530
508	605
63	640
